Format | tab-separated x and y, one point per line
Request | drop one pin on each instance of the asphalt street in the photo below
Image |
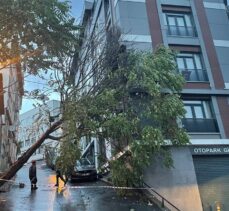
86	196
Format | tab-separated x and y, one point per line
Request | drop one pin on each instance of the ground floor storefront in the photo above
198	180
212	172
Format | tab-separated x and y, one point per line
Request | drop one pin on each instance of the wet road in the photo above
72	197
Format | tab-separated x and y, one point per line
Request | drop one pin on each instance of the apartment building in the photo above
33	123
11	92
198	30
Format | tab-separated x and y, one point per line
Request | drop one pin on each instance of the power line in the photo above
9	85
36	82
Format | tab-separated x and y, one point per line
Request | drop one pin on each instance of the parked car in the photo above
83	170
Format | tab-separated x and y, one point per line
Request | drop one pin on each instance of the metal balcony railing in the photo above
200	125
194	74
183	31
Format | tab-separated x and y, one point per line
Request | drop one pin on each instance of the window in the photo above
197	109
191	67
33	140
41	149
27	142
21	144
179	24
199	117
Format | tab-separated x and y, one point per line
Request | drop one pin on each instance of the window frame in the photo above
193	111
205	105
182	15
192	55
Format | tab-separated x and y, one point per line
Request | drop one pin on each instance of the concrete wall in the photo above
178	184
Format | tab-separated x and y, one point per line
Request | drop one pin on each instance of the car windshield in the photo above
84	162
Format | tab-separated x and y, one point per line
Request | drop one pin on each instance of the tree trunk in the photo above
25	157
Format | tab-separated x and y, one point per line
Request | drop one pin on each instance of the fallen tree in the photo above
7	175
30	43
60	81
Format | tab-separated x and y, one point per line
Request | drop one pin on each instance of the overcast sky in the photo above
32	82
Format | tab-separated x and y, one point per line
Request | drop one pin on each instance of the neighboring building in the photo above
11	82
199	31
32	127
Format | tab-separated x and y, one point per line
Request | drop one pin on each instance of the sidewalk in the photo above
20	199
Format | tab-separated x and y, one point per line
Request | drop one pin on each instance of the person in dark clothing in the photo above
59	175
33	175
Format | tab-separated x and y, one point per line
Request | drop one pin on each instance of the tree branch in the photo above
8	174
56	138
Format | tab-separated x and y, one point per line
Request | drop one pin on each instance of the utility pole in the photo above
1	95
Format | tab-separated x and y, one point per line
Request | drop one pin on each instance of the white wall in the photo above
31	130
9	121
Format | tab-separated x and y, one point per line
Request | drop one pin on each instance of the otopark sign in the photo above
209	150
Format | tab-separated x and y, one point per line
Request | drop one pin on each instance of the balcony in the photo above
182	31
200	125
194	74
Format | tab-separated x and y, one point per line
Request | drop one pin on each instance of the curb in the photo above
106	181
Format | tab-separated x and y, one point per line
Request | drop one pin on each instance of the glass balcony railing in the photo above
200	125
181	31
194	74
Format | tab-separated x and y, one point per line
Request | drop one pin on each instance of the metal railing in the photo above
194	74
183	31
163	201
200	125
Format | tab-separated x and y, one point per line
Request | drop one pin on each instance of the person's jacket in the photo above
58	173
32	172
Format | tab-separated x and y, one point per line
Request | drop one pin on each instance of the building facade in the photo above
33	124
198	30
11	79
